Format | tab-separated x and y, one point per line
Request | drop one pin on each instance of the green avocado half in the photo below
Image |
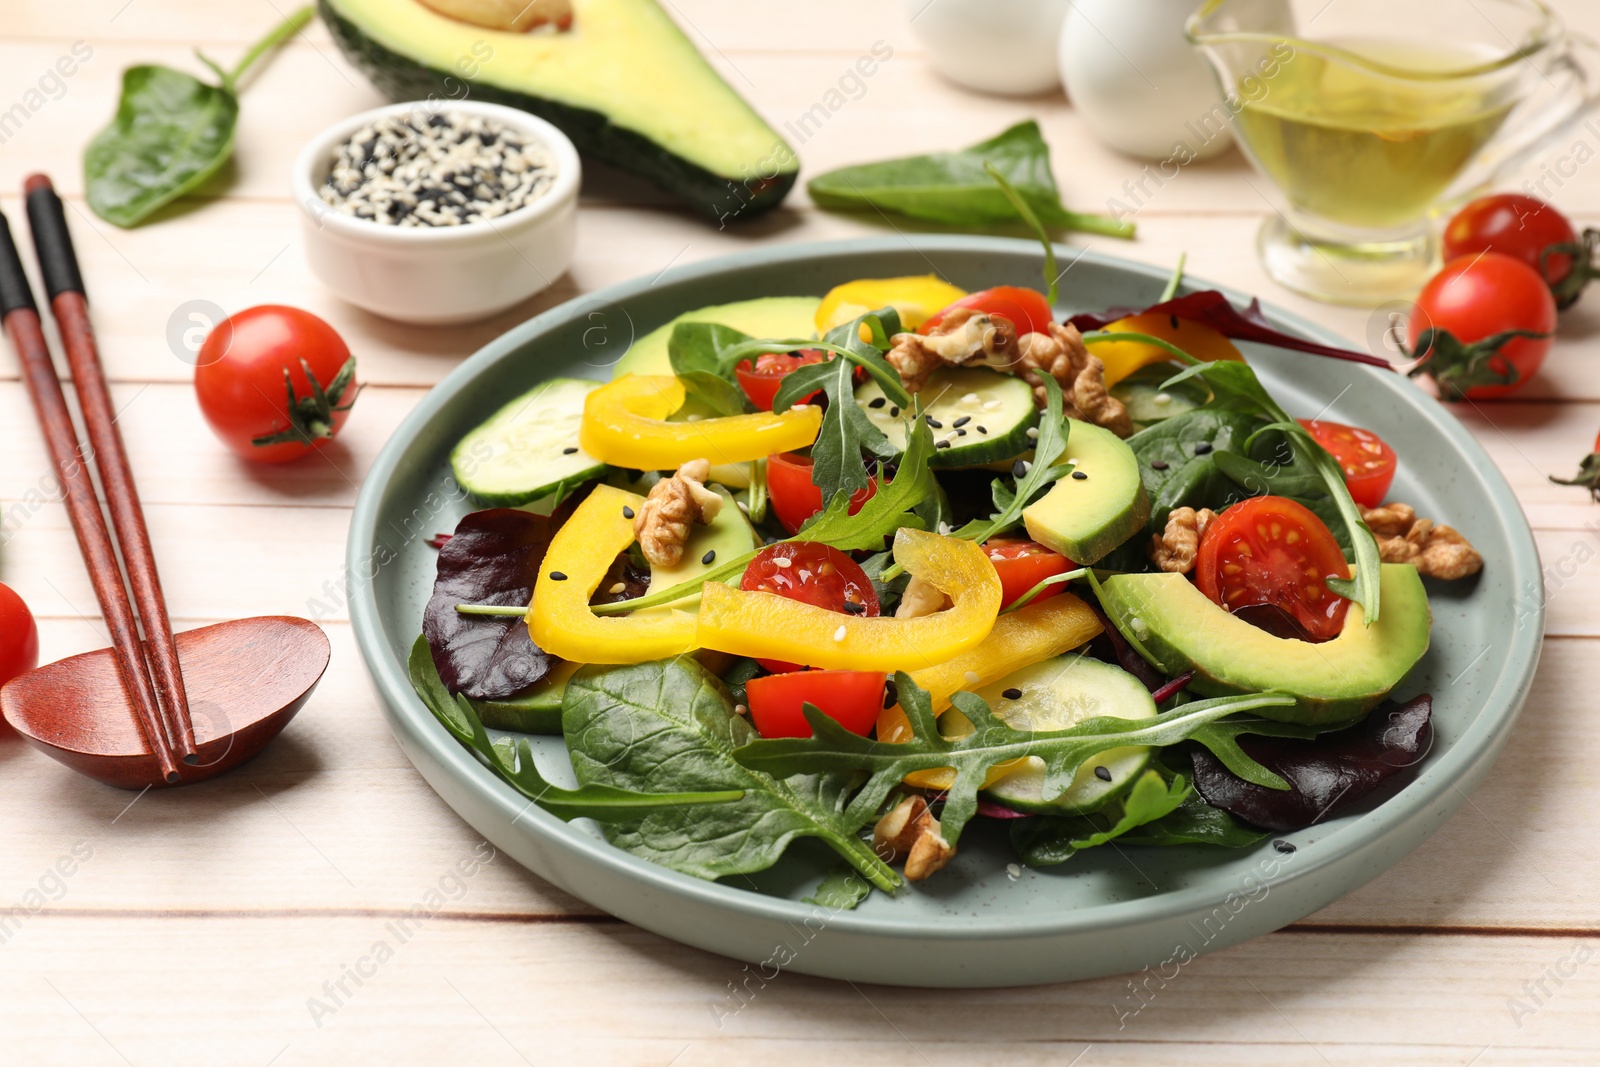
1177	628
623	82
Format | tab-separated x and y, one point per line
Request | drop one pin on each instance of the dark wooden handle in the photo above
15	292
53	243
94	540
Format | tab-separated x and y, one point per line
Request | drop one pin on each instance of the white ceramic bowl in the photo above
1006	47
439	275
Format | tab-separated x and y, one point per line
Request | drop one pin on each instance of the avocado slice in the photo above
1177	628
624	83
535	710
726	537
1083	518
768	317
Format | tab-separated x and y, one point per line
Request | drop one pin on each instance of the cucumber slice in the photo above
529	448
1056	694
977	415
535	710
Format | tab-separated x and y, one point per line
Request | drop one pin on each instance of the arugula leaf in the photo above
954	188
887	510
512	760
668	725
1053	839
846	431
1051	275
832	748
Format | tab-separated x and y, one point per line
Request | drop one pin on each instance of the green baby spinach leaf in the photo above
512	760
171	132
833	749
841	889
955	188
1053	839
668	727
1194	822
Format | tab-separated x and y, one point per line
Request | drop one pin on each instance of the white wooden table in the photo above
236	922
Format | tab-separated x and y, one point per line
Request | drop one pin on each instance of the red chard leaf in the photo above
1326	773
1210	307
492	558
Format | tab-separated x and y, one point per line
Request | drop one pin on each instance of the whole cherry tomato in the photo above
19	636
1482	326
1271	552
1525	228
275	382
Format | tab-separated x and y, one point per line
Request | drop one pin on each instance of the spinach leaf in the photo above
1054	839
1177	458
171	133
512	760
954	188
492	558
668	727
832	748
1194	822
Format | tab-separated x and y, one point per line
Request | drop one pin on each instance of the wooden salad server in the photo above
165	710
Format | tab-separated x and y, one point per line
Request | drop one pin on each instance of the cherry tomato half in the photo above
1027	309
1514	225
1023	565
852	699
19	636
795	497
1270	552
1366	459
812	574
240	374
760	381
1478	297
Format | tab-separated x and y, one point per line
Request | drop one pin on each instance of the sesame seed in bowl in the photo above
446	169
437	213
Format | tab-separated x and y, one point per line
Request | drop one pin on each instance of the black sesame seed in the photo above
1012	694
961	433
942	444
708	557
1202	448
1174	320
1103	774
935	423
1158	464
982	429
1080	476
569	450
1019	468
1283	846
855	609
962	421
894	413
877	402
627	512
558	576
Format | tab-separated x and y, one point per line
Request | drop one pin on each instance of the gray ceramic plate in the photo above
1108	910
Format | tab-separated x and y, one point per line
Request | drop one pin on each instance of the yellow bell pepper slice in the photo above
624	424
1032	633
769	626
916	298
560	620
1122	358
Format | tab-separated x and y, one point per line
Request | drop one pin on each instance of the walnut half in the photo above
1175	548
1437	551
674	505
910	831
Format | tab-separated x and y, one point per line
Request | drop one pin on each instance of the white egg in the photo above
1139	84
995	46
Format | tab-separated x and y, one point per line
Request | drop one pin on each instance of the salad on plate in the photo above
870	567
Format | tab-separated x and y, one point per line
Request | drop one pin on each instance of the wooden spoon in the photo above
245	680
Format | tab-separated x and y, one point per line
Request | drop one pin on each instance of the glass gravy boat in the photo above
1368	116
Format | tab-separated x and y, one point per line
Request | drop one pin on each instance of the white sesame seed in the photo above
740	709
944	528
781	561
1163	398
1033	433
838	635
971	677
1013	871
992	405
620	587
970	398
